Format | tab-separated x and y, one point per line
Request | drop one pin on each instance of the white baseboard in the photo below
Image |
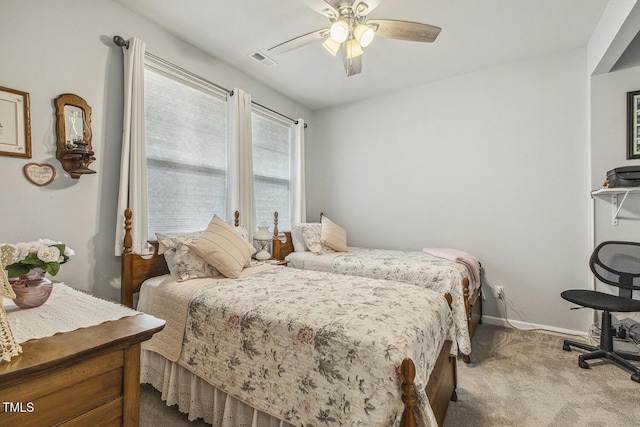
500	321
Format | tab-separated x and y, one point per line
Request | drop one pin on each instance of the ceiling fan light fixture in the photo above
329	13
340	31
353	48
349	31
364	34
331	45
362	8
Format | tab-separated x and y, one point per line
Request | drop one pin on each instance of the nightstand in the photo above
89	376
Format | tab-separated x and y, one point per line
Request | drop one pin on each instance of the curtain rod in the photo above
120	41
275	112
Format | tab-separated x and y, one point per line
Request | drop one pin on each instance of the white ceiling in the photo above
476	34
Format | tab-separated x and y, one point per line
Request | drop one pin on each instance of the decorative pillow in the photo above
170	258
297	239
332	235
189	265
223	248
242	232
172	240
311	235
167	245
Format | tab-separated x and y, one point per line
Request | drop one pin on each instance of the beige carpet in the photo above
515	379
526	379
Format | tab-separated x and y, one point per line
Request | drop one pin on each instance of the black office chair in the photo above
616	264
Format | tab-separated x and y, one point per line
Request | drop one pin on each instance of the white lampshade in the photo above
353	48
340	31
364	34
263	234
331	45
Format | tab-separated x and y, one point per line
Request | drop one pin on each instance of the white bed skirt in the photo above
199	399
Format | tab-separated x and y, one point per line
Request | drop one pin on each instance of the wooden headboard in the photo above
281	248
135	269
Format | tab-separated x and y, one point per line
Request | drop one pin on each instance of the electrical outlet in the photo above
498	292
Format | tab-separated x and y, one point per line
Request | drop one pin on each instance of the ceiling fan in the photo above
350	31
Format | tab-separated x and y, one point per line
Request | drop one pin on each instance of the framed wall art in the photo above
633	125
15	123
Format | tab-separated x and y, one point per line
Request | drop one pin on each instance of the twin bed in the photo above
459	279
280	346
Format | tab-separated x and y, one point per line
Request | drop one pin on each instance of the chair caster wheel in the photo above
566	347
635	377
583	364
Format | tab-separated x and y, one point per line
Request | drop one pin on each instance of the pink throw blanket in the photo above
456	255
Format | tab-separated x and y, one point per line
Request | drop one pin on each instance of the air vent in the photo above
263	59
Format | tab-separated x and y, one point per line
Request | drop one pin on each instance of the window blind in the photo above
186	135
271	168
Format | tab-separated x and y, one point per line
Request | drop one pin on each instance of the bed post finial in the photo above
408	370
128	242
236	218
321	215
275	224
449	299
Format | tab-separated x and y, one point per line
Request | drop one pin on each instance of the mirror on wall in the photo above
73	131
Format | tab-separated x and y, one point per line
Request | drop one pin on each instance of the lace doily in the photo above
8	345
67	309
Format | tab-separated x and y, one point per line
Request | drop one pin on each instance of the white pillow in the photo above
242	232
311	234
223	248
181	260
297	239
168	241
332	235
167	245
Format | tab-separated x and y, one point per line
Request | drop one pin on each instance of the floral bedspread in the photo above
314	348
416	268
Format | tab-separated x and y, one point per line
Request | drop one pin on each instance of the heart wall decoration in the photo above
39	173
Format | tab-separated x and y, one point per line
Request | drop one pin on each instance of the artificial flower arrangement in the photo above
21	258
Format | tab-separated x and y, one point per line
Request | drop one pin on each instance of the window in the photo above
186	133
271	168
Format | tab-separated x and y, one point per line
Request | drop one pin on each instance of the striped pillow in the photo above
333	235
223	248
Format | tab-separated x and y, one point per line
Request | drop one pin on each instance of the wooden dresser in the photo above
87	377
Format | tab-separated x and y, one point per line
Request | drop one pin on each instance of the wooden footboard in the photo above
473	309
440	389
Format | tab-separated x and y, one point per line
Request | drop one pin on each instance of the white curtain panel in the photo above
298	200
133	164
240	193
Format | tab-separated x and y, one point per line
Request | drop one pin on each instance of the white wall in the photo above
614	47
616	28
65	46
494	163
609	149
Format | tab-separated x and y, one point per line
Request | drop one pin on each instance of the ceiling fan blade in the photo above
323	7
299	41
405	30
352	66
